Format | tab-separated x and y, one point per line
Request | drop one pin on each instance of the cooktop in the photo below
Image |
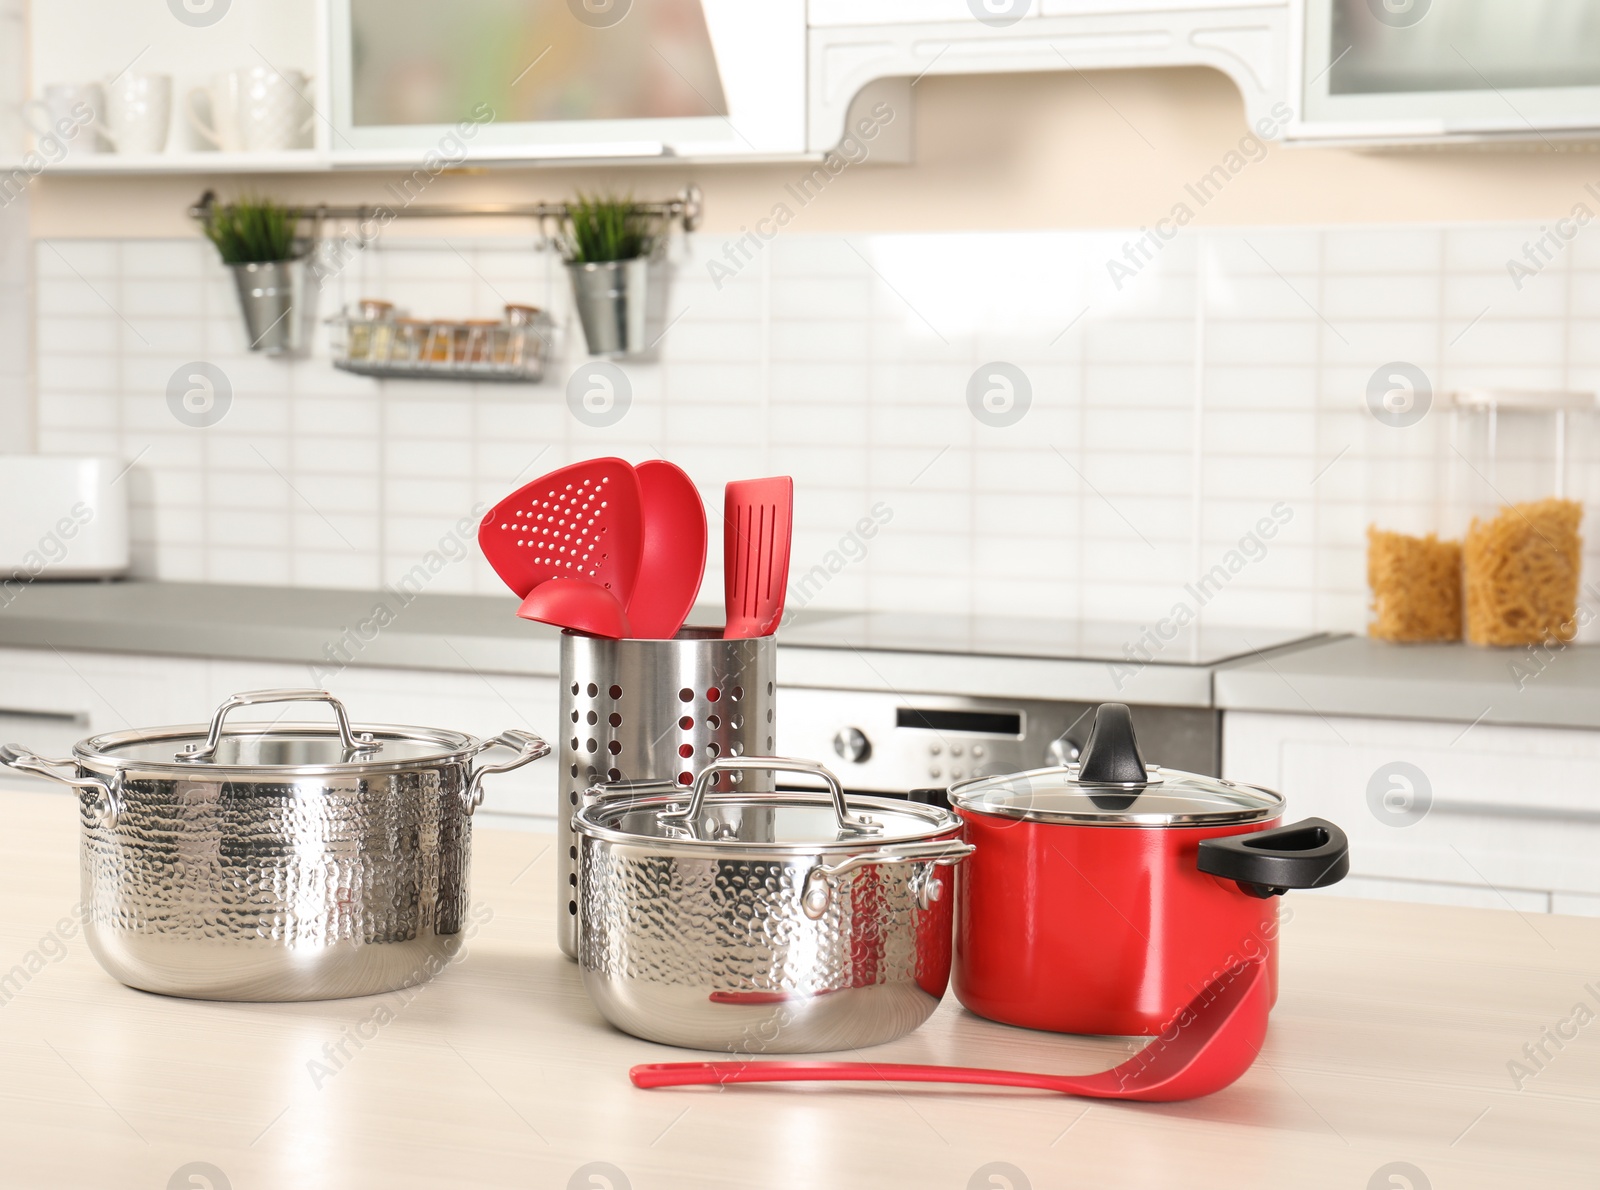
1017	636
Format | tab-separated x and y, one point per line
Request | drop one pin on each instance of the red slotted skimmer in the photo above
581	522
758	515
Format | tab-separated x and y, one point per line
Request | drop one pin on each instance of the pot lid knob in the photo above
1111	756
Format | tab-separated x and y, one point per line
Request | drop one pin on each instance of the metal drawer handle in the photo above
108	794
855	824
200	753
816	895
529	748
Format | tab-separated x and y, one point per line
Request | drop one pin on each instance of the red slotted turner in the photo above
758	516
583	522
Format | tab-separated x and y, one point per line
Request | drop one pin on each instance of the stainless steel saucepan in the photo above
289	861
770	922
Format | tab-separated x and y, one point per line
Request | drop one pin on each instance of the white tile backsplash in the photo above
1169	414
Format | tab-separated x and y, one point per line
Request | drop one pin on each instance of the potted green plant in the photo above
607	243
256	239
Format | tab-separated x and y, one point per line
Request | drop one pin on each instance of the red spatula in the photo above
674	557
583	522
758	516
1207	1047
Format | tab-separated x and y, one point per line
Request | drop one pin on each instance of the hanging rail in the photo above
685	208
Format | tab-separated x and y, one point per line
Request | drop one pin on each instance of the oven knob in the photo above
1063	751
977	752
934	771
955	749
851	744
934	749
955	774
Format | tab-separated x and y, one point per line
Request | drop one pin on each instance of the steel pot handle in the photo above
200	753
816	894
1312	853
529	748
108	794
861	825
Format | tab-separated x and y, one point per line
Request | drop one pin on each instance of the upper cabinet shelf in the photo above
206	86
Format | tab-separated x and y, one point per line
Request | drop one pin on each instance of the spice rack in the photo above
513	351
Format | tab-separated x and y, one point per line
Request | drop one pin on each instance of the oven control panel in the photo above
891	743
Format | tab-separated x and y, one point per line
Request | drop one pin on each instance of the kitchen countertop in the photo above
1355	675
996	656
1389	1044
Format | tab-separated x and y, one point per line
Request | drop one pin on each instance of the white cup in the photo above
67	112
138	112
254	110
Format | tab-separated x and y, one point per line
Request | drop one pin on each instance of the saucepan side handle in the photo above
1312	853
108	794
528	746
816	893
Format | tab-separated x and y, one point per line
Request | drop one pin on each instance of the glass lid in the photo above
1112	786
275	748
290	745
753	820
1170	798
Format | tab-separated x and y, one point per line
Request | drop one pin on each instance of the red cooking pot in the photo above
1102	897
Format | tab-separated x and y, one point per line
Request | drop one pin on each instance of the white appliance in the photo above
61	517
1437	70
488	79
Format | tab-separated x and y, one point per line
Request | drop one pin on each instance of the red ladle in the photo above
673	560
1206	1047
578	604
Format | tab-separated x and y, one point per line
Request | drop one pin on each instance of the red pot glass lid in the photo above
1111	785
1170	797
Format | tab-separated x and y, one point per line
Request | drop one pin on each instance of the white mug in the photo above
67	112
138	112
257	109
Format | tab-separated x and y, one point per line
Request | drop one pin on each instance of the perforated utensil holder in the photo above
659	711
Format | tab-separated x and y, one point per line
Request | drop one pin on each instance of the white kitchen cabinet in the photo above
1408	71
820	13
50	698
1471	815
1249	42
710	79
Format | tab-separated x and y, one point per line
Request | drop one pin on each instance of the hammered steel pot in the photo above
276	862
655	711
762	922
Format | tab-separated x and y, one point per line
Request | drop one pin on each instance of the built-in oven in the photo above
892	743
1435	69
477	79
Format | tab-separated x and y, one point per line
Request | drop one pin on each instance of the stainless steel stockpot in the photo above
764	922
285	861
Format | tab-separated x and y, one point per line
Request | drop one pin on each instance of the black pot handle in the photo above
1312	853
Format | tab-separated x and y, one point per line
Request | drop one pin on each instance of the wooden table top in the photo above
1387	1065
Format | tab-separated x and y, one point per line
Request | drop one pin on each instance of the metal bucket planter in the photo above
272	297
611	297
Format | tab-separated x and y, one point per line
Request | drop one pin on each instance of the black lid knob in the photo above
1111	757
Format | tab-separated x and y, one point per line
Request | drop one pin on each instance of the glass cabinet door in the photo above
423	62
1458	64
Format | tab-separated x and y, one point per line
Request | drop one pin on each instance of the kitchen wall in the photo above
1187	402
1056	150
16	405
